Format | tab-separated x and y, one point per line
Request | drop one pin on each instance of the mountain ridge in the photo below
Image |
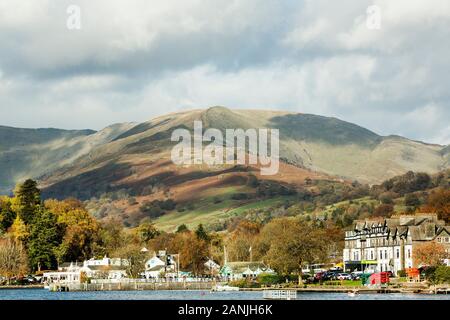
314	143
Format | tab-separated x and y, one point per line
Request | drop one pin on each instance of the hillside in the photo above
28	153
315	143
130	163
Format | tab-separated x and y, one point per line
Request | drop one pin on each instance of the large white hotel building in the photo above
387	244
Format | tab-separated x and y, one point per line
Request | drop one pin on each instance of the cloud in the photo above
136	59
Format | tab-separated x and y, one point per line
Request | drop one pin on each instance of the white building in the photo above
161	264
241	270
387	245
212	267
106	268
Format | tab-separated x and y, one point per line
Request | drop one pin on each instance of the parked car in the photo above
344	276
356	275
332	274
319	276
390	274
30	279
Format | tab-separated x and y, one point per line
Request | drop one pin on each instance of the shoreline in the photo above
298	290
15	287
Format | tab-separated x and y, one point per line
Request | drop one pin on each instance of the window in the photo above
397	253
409	253
385	254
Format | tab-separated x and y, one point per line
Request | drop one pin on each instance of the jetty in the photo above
131	285
280	294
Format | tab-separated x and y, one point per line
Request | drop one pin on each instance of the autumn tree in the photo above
429	254
383	210
287	244
111	235
79	228
147	231
193	251
13	259
216	244
19	230
136	258
162	242
439	202
241	240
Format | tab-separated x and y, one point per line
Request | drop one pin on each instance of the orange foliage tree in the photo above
439	202
429	254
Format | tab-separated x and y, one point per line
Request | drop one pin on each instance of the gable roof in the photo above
242	266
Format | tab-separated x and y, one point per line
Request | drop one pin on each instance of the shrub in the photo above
401	273
270	279
252	181
442	274
169	204
244	283
411	200
239	196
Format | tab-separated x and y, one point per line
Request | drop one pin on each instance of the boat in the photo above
225	288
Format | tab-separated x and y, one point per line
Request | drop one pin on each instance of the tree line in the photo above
37	235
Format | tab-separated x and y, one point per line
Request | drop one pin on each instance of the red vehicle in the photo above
320	276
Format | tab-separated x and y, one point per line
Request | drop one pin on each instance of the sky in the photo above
132	60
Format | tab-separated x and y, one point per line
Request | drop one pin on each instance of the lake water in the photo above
42	294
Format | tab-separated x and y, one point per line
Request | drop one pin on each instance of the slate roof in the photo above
421	227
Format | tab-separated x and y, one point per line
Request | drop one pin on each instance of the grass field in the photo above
206	211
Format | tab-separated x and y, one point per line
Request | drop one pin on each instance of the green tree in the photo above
7	215
201	233
111	236
411	200
182	228
443	274
79	228
27	200
147	231
44	239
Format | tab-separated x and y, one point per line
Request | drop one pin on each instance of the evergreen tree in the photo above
7	215
44	238
28	199
201	233
182	228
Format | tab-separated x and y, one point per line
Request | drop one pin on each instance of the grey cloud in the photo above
137	59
